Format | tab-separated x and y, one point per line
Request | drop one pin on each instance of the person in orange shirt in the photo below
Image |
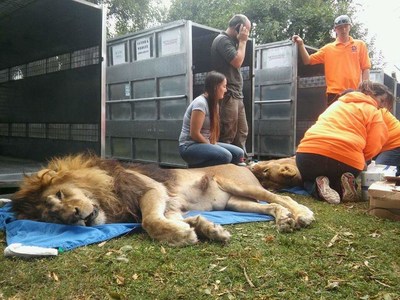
390	154
347	134
346	60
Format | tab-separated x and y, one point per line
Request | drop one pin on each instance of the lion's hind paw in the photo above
208	230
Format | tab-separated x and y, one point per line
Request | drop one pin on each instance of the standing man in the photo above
227	53
346	60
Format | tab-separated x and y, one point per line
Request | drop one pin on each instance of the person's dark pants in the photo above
313	165
234	128
331	97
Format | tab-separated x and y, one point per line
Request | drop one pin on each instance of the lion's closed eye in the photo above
60	195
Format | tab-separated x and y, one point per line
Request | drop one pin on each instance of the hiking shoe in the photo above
325	191
349	190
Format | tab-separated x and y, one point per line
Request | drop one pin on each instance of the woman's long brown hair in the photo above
213	79
374	89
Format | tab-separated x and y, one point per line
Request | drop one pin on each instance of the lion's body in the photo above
88	191
277	174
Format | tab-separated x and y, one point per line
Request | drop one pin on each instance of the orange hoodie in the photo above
351	130
393	126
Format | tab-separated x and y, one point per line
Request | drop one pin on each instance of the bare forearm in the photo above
365	74
241	53
305	57
199	138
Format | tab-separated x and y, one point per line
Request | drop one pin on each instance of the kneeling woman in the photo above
198	144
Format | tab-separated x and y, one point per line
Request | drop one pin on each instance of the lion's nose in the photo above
77	213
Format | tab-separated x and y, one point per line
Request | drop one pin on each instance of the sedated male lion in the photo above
86	190
277	174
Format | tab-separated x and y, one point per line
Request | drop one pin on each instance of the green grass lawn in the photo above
345	254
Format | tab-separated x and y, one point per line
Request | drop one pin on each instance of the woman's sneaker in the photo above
325	191
349	190
242	162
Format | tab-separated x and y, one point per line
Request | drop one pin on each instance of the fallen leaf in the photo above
221	258
303	275
119	279
348	234
126	248
375	235
269	238
102	244
332	285
123	259
333	240
207	291
135	276
163	251
54	276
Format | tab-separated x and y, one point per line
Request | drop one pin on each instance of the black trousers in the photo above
313	165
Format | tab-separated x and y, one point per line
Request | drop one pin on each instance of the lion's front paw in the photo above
218	233
305	217
285	221
183	238
171	232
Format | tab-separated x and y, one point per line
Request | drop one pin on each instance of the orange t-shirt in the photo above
351	130
393	125
343	64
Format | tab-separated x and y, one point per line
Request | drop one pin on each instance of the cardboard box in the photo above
384	200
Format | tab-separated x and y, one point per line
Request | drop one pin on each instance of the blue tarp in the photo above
67	237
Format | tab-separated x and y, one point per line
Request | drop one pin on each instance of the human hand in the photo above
243	33
298	40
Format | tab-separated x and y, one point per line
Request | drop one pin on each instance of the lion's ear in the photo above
46	175
288	170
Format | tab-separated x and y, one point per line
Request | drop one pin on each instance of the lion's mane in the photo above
107	181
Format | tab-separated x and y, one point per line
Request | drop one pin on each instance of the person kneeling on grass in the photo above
198	144
347	134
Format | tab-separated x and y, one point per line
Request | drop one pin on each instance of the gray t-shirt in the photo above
223	50
200	103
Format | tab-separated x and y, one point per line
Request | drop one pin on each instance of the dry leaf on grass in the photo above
332	285
53	276
119	279
102	244
269	238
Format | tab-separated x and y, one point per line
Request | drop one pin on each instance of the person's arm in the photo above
196	123
305	57
365	74
242	36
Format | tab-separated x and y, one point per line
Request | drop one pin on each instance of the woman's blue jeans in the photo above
390	158
199	155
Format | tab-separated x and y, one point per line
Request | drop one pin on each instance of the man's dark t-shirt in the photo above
223	50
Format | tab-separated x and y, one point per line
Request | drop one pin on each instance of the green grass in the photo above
345	254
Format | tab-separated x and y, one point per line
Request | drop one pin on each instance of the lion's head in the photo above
73	191
277	174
